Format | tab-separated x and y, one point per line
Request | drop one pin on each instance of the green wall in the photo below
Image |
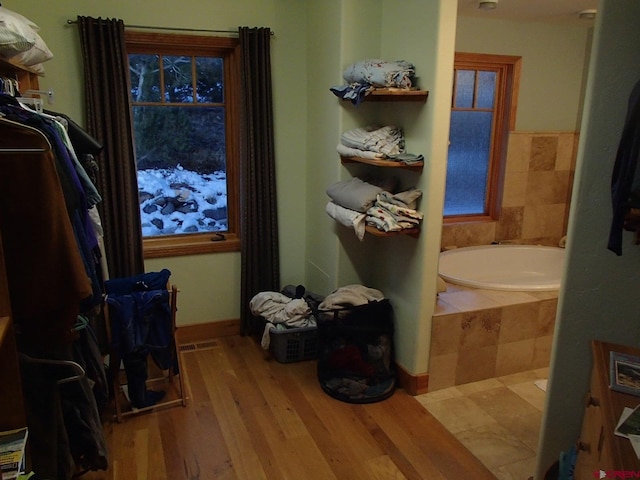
553	66
209	284
403	268
599	300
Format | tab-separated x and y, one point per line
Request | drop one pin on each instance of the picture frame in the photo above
625	373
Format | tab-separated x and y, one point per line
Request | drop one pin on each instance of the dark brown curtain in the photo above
106	89
259	220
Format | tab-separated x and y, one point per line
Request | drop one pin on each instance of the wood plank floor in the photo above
249	418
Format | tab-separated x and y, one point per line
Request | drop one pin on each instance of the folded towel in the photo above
348	218
354	194
345	151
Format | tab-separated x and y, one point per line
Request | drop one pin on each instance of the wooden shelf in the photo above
396	95
5	325
28	79
412	232
391	95
383	163
8	65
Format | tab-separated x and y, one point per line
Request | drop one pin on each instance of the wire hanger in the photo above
79	371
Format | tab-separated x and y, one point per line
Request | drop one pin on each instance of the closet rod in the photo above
150	27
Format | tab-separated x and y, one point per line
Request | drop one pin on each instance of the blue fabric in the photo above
141	325
354	92
140	321
143	281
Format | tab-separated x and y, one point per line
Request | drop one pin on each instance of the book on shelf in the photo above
12	448
625	373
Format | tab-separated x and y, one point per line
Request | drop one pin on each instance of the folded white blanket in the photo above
397	210
388	140
345	151
348	218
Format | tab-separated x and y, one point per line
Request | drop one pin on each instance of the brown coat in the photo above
45	272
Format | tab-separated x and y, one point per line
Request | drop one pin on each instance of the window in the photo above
184	94
482	113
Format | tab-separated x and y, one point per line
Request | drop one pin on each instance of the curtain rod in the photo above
235	32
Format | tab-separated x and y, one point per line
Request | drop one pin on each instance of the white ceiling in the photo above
548	11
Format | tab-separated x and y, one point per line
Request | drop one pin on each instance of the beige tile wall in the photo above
479	334
536	193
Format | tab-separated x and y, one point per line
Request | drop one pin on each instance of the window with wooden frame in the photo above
185	113
483	106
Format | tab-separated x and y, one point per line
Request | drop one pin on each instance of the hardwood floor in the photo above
249	418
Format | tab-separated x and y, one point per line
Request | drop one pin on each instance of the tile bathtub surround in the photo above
536	195
481	334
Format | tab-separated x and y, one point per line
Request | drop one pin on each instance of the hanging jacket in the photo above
625	178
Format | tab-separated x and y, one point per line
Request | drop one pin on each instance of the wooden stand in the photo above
599	448
173	384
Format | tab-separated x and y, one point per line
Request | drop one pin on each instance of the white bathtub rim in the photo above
539	286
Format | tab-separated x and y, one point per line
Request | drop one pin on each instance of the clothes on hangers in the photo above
78	191
50	266
83	143
65	429
47	278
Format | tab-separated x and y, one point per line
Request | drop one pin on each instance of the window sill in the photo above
468	219
174	246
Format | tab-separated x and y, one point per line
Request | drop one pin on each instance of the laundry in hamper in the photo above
355	352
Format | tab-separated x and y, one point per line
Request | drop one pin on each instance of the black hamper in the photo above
355	352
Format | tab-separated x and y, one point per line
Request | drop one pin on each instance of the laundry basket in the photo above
294	344
356	353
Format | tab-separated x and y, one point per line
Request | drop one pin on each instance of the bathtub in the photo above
504	267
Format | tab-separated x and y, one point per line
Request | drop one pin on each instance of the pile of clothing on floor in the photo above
364	76
356	203
289	308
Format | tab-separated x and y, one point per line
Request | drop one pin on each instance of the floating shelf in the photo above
412	232
391	95
396	95
9	66
383	163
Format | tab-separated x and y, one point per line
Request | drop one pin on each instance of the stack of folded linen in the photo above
388	140
364	76
356	203
381	73
375	142
392	213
